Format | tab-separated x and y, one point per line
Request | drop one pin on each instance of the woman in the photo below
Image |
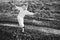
21	15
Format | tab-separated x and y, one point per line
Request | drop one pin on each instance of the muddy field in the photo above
13	33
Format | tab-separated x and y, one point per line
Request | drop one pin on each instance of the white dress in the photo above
21	16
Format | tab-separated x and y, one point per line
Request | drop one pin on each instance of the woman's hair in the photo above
24	5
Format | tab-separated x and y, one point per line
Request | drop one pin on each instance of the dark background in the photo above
38	27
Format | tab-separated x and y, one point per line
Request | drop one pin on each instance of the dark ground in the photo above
9	33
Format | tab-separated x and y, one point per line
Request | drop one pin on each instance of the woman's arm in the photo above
30	13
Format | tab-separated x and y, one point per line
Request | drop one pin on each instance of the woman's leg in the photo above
21	23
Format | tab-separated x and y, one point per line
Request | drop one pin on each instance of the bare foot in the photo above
22	29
